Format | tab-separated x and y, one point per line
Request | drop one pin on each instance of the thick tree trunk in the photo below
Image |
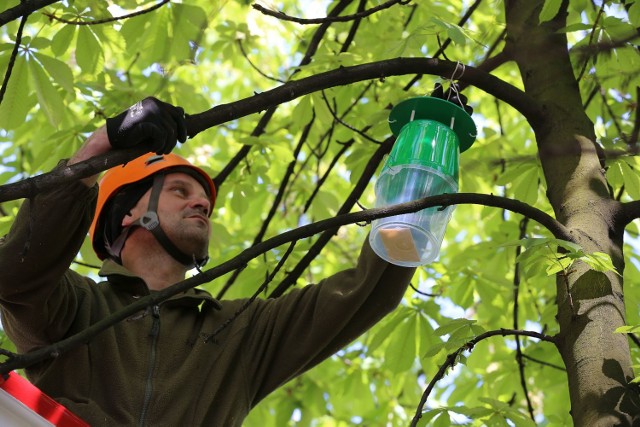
590	304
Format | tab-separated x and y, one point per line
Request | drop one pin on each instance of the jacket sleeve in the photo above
37	297
291	334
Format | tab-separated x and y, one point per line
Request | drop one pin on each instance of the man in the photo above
160	367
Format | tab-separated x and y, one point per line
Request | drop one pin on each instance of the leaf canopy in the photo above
68	76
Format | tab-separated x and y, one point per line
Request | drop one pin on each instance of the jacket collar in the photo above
124	280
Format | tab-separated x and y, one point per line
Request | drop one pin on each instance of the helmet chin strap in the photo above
150	221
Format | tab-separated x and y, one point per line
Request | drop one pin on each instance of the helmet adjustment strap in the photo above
150	221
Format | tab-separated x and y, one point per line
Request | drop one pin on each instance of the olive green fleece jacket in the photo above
157	368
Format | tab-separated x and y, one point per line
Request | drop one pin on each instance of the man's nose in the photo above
202	203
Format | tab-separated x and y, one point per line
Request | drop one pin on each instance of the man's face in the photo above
183	210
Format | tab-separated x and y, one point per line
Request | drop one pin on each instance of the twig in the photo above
329	19
261	288
419	292
324	177
543	363
516	292
362	133
106	20
633	139
84	264
585	61
452	358
592	49
634	338
12	59
354	28
259	71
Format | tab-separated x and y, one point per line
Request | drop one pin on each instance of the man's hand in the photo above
452	95
151	122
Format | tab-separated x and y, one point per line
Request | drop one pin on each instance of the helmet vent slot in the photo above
151	160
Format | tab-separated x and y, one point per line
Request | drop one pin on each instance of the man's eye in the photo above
179	190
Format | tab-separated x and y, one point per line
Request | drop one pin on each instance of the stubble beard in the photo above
192	237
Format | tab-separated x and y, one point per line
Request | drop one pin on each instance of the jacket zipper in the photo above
155	329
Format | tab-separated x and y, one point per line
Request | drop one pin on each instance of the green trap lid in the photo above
437	109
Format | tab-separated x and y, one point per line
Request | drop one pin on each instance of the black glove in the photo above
151	122
452	95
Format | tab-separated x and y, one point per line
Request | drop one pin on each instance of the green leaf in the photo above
434	349
453	325
456	34
558	264
549	10
49	99
599	261
157	44
428	416
17	102
58	70
189	23
325	204
476	412
302	113
512	172
525	188
628	329
443	420
251	140
240	200
88	51
576	27
634	14
495	403
386	330
401	351
631	180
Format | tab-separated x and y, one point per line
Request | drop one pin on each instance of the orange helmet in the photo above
133	172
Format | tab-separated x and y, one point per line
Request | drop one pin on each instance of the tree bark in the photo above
590	304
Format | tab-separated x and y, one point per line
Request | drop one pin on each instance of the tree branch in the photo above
25	7
374	70
32	186
29	359
452	358
628	212
329	19
227	112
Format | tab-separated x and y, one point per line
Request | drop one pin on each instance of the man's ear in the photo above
127	220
